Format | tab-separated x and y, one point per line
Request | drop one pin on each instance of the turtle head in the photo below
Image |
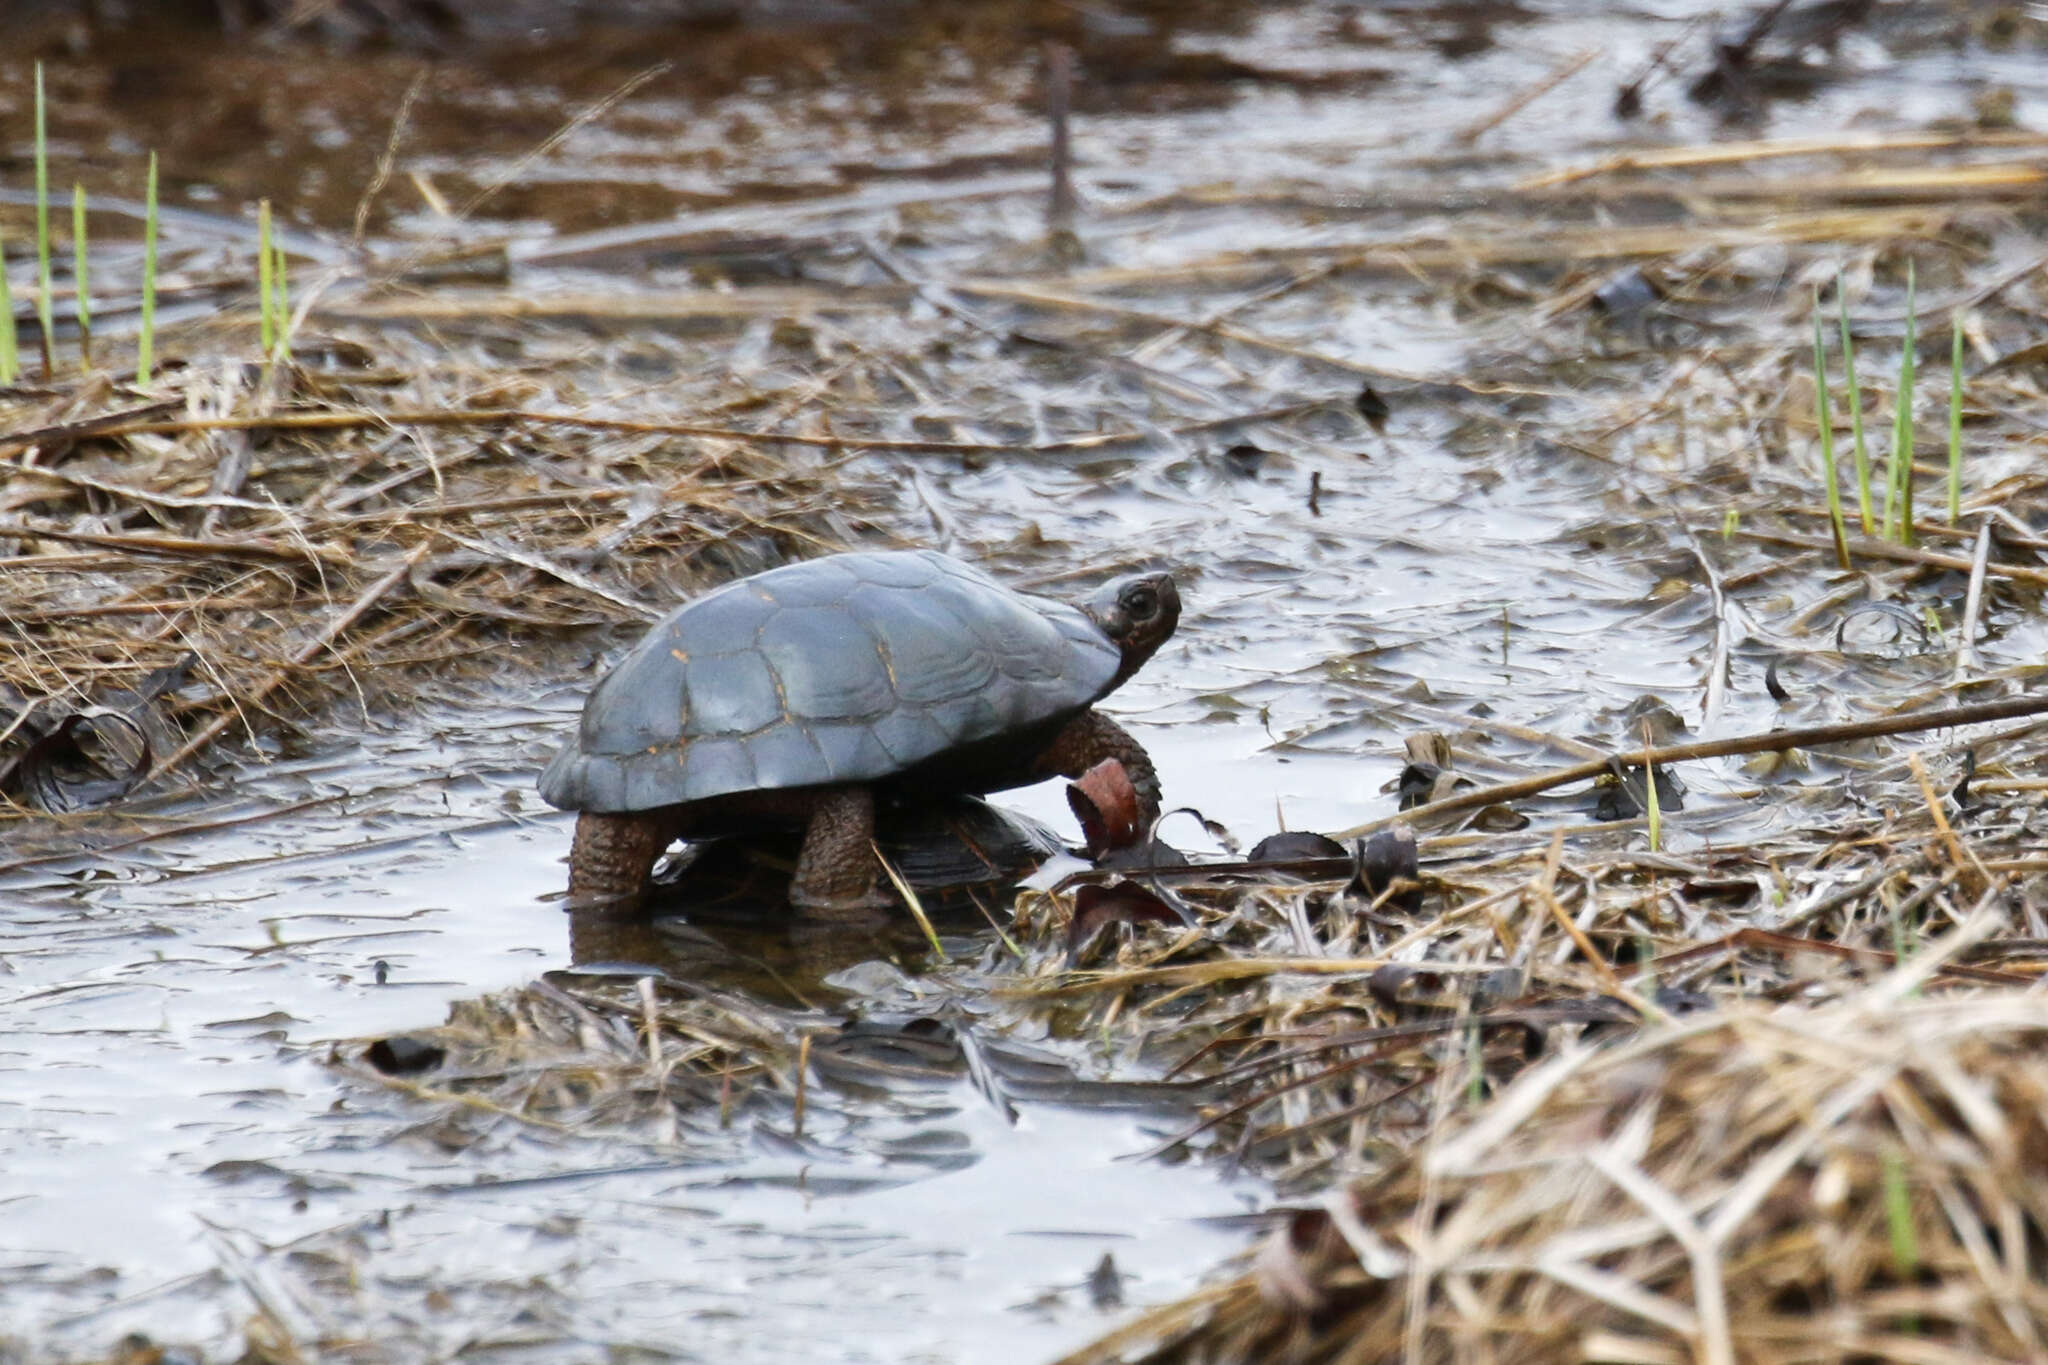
1137	614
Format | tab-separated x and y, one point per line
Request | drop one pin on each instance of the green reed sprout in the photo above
266	301
145	346
1898	1217
43	291
10	344
281	311
1825	422
1955	420
1898	490
1855	409
81	294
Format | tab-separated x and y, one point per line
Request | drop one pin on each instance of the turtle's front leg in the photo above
836	871
1091	737
612	858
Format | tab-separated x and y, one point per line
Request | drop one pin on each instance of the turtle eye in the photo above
1141	602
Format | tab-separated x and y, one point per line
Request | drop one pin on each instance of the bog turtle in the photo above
795	695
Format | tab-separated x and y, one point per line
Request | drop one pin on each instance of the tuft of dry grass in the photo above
1854	1180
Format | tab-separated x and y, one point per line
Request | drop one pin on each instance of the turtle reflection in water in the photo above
800	695
717	910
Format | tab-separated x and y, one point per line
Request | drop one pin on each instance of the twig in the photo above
1564	71
266	551
445	417
1802	738
1904	554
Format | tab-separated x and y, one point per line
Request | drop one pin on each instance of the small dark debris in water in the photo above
1679	1000
382	970
1315	493
1383	863
1373	408
1768	56
1428	776
1628	100
1773	686
1627	298
1499	818
1293	1263
1398	986
1295	845
1661	718
1098	907
1501	987
1245	459
138	1349
1417	785
1621	794
403	1056
1106	1283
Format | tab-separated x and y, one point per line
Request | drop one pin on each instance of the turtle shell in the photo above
853	668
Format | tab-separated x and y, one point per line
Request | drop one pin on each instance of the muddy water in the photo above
177	1154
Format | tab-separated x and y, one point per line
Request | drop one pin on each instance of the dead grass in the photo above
1854	1180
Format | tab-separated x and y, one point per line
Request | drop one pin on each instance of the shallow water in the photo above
176	1149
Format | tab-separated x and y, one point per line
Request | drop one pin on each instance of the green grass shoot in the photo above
10	344
1824	421
281	312
81	281
1898	1217
266	297
1898	484
145	346
1731	522
1653	816
1855	409
43	311
1955	420
1475	1067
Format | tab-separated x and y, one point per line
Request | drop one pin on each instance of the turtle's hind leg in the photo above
836	872
612	858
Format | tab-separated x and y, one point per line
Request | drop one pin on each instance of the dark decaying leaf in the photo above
1106	1283
1625	298
1293	846
1417	785
97	754
1106	804
1096	908
1373	408
1499	818
1244	459
1388	861
402	1056
1621	795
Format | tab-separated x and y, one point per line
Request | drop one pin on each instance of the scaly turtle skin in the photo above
793	695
